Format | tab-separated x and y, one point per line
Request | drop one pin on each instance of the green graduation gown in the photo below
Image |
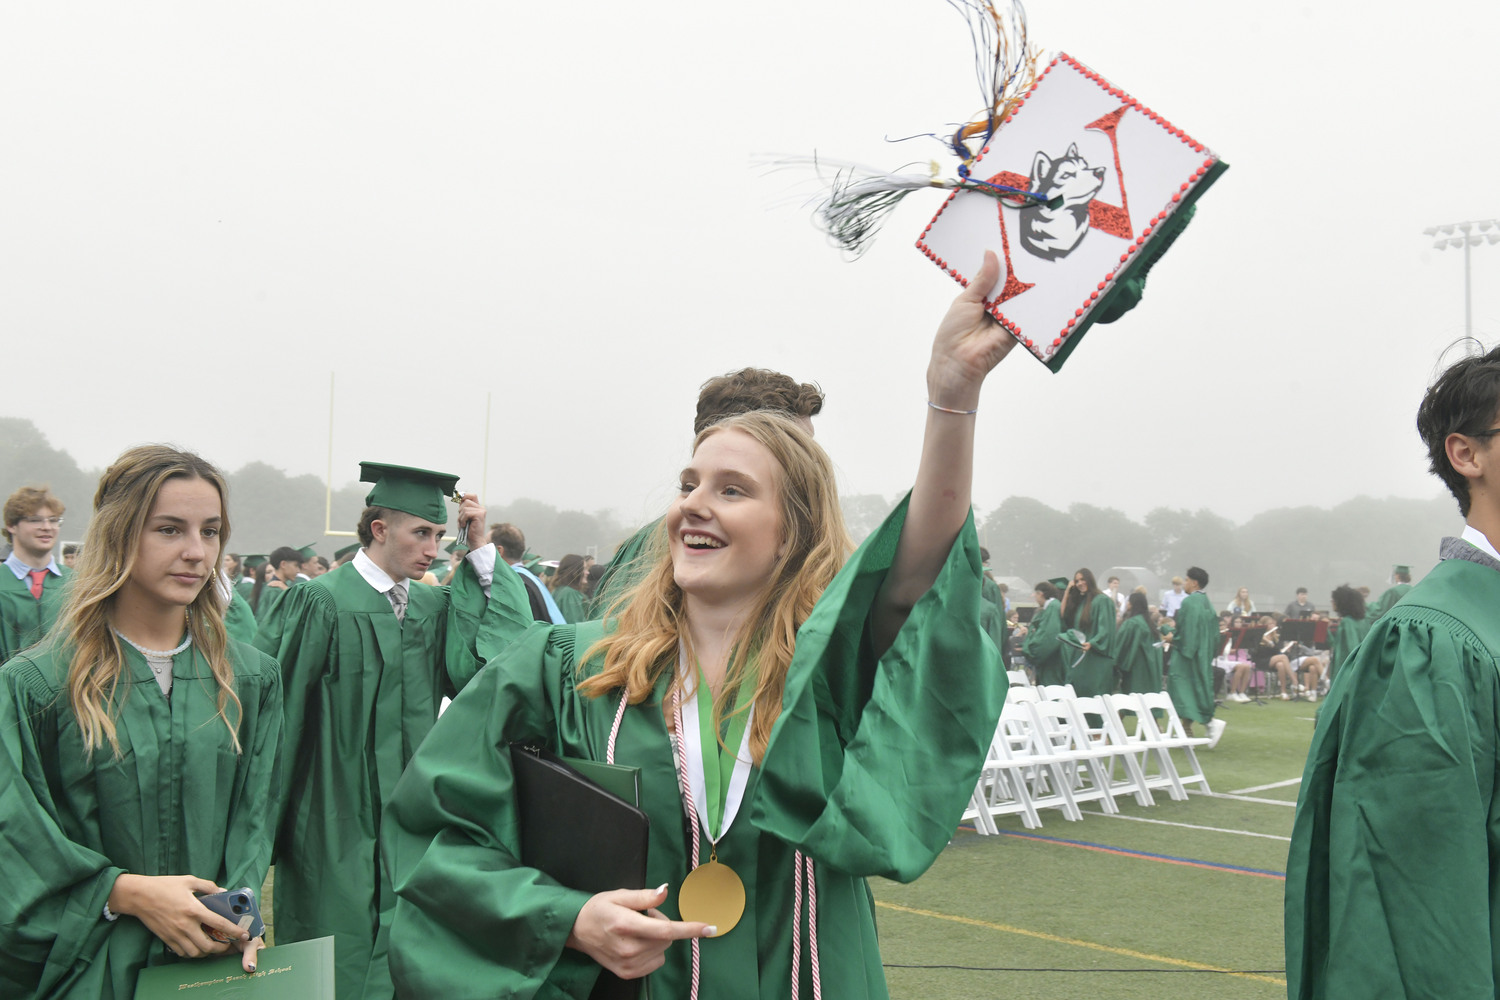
868	769
1195	643
1387	601
625	569
25	619
573	605
361	692
180	801
270	599
239	620
1041	644
1137	656
1343	642
1095	673
1393	877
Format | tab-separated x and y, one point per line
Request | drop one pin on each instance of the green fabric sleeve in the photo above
506	617
1102	625
470	921
239	620
251	824
1390	884
871	763
1041	642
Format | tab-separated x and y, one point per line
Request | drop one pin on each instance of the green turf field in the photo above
1181	899
1178	899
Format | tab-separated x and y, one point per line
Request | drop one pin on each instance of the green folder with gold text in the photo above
299	971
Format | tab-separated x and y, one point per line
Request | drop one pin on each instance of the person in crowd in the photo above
1235	658
1040	640
32	584
312	565
567	589
1138	648
286	569
1088	610
1241	605
343	555
1301	607
1400	587
245	585
140	752
859	704
1391	886
743	391
1114	593
1350	606
70	555
510	544
1195	643
1172	599
367	655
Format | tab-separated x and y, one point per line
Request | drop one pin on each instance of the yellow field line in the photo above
1055	939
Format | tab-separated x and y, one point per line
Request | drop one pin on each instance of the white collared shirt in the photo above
1477	538
482	559
22	570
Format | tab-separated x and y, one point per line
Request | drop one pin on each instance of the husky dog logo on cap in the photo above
1053	233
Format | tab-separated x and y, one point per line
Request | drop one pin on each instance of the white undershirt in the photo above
1477	538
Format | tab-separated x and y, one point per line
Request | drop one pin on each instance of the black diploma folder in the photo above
582	825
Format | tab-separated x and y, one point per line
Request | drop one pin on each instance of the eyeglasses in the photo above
55	522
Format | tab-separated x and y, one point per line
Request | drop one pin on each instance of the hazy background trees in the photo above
1272	553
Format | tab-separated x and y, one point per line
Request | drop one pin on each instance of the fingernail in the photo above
662	887
252	968
710	931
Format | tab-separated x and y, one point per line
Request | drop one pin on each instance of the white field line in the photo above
1252	798
1263	788
1188	826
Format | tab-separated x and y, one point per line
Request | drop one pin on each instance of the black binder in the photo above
582	825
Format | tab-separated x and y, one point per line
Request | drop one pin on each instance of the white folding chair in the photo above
1057	692
1045	774
1018	678
1082	760
1173	737
1019	695
1001	790
1114	735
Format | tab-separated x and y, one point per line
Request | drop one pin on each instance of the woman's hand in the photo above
168	905
623	931
969	343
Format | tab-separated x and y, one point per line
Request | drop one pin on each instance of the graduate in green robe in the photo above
1400	587
118	813
1353	624
245	585
1195	643
362	688
239	620
1093	613
1040	643
33	518
1138	648
567	589
861	743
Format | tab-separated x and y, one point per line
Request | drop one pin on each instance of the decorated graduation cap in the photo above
1076	186
345	552
420	492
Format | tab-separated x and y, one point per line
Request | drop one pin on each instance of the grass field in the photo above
1179	899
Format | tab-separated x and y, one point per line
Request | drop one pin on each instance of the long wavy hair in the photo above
650	619
1136	607
122	503
1072	600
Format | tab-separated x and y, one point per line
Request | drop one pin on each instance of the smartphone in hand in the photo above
239	906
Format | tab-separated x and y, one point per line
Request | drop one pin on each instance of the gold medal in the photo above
712	894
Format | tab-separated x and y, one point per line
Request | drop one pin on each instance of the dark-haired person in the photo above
567	588
70	555
748	390
285	566
139	748
1089	610
1301	607
1195	643
510	548
853	699
1400	587
367	655
1392	882
1353	624
1138	648
1040	642
31	585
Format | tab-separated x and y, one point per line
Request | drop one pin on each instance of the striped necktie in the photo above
398	602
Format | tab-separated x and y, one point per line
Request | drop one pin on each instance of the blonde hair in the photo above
122	503
650	618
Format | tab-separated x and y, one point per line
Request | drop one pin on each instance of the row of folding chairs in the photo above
1055	750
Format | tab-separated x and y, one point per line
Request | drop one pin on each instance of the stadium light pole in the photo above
1466	235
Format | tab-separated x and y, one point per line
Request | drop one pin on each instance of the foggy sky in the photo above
209	208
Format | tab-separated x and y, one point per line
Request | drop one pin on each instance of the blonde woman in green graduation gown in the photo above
138	749
832	724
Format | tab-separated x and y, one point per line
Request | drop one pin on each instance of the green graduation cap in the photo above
454	546
306	552
420	492
253	562
345	552
1398	568
1060	582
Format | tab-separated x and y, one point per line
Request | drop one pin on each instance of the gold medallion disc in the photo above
712	894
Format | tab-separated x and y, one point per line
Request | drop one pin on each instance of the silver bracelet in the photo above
945	409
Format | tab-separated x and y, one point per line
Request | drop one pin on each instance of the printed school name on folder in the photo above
303	970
